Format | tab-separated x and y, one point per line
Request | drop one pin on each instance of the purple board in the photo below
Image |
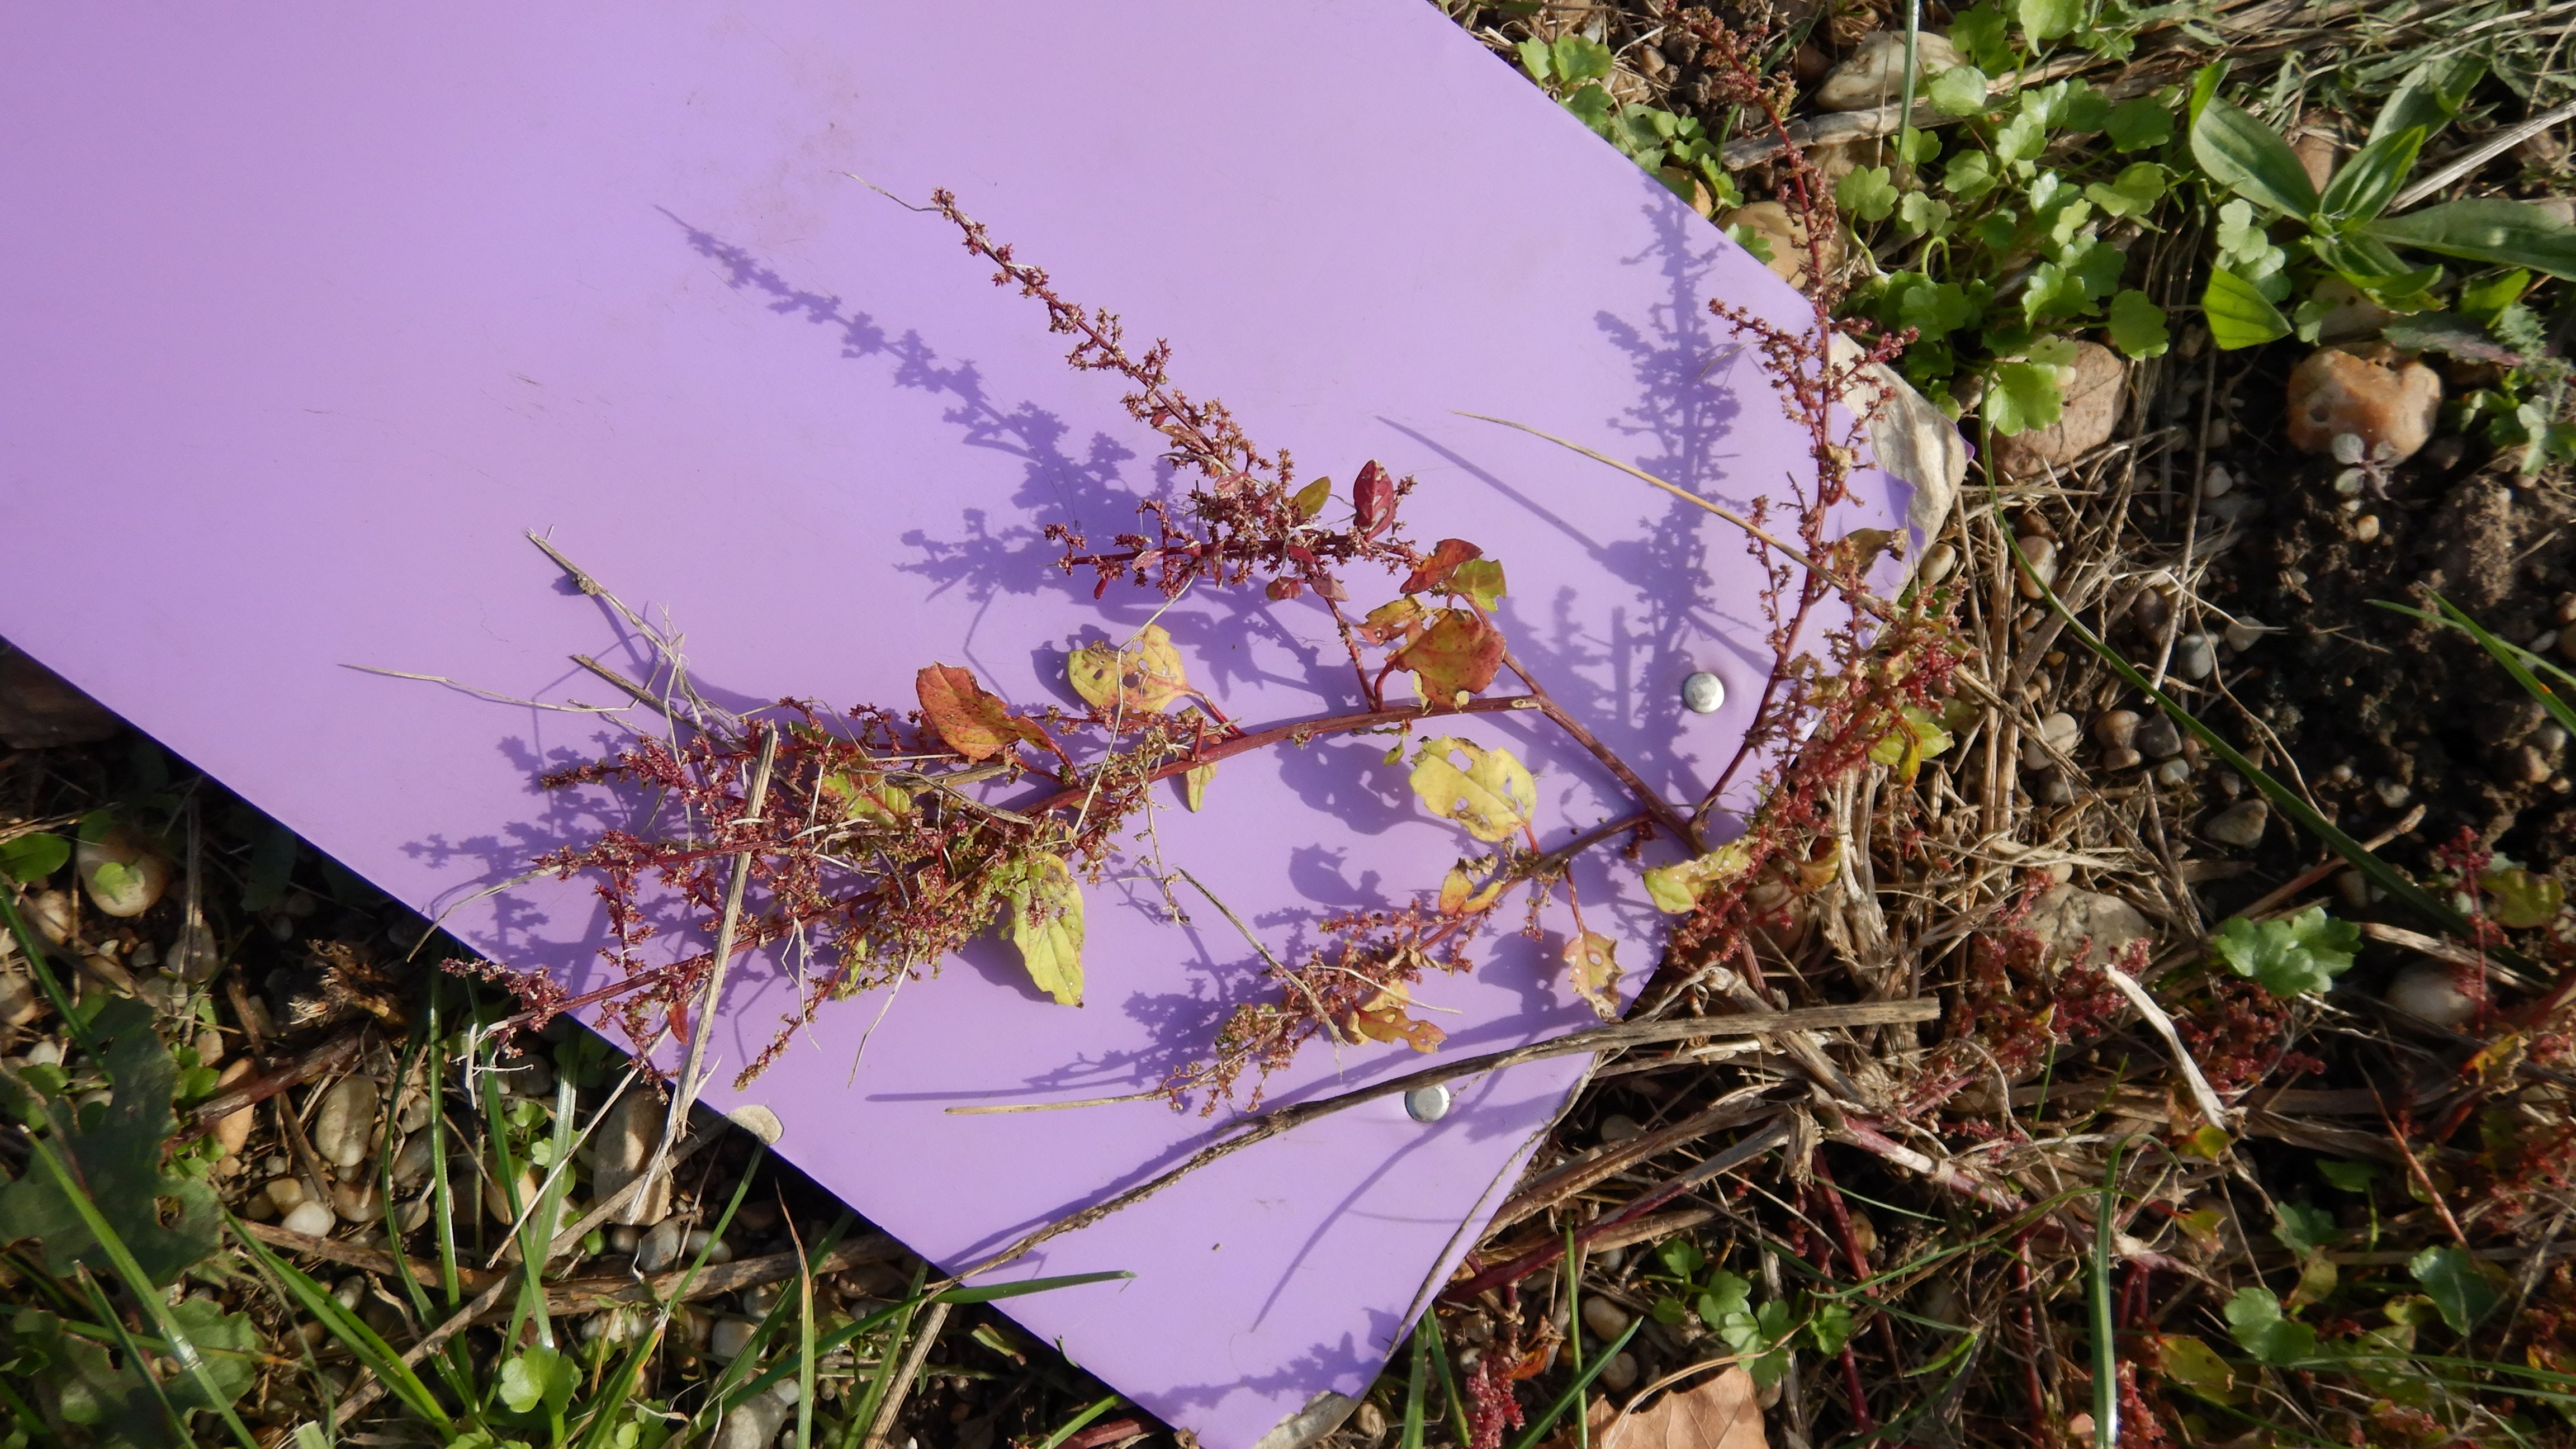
312	309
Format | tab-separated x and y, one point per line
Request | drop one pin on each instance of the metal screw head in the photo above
1703	693
1427	1104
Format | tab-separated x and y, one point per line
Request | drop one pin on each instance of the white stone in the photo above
1875	74
142	873
2241	633
1606	1319
345	1127
2194	656
2069	916
2216	482
1937	563
52	915
313	1219
759	1121
2425	989
2240	825
286	1194
661	1247
414	1161
1620	1374
729	1338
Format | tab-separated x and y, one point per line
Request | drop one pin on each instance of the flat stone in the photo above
2068	917
2240	824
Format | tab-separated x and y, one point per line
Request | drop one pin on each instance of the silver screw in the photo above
1427	1104
1703	693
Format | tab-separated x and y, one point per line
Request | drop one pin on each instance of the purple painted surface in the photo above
313	309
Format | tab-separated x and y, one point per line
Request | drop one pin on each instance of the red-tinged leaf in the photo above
1328	587
1389	622
1436	570
1454	890
1458	654
1372	499
969	721
1284	589
1383	1019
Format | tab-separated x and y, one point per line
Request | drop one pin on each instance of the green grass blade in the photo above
2378	872
350	1330
992	1291
2106	1388
1075	1424
805	1353
2517	661
1416	1383
1448	1376
1572	1398
889	1363
138	1283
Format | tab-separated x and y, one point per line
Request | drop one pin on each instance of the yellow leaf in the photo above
1194	783
1592	961
1383	1019
1676	888
1046	925
1145	676
1492	797
866	797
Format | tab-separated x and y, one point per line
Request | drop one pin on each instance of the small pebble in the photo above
661	1247
625	1144
2354	889
286	1194
345	1128
52	914
2366	527
1369	1420
2564	611
497	1202
2294	578
195	956
2525	765
313	1219
2217	481
2054	790
2121	759
358	1202
2229	783
2392	794
2159	738
142	873
729	1338
2173	772
760	1298
1937	563
233	1132
700	1240
2218	434
2116	729
2241	633
2240	825
624	1238
1606	1319
1620	1374
2543	642
351	1291
2042	554
2425	989
1619	1127
2194	656
414	1161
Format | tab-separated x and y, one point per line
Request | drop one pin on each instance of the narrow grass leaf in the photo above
1574	1391
350	1330
1074	1425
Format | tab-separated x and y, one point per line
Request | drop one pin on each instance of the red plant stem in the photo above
1857	1257
1663	812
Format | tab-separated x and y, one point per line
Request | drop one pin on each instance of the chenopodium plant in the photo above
2343	231
2014	243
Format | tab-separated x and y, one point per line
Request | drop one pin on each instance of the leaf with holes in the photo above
1382	1018
1592	968
1676	888
1458	655
167	1222
1145	676
967	720
1046	924
1491	798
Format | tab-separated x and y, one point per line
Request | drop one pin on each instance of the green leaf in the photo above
1867	193
2043	20
1970	176
1982	36
2254	1320
2369	181
1047	924
2237	314
1919	215
1829	1324
2134	192
2303	1230
1592	106
2485	300
2022	396
2243	154
2137	124
2521	899
1310	500
115	1149
1579	59
2431	95
2348	1176
1916	147
2297	955
1676	888
2138	325
538	1376
1959	91
2096	266
2022	138
2196	1366
2463	1288
30	858
1537	59
2505	233
2052	291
